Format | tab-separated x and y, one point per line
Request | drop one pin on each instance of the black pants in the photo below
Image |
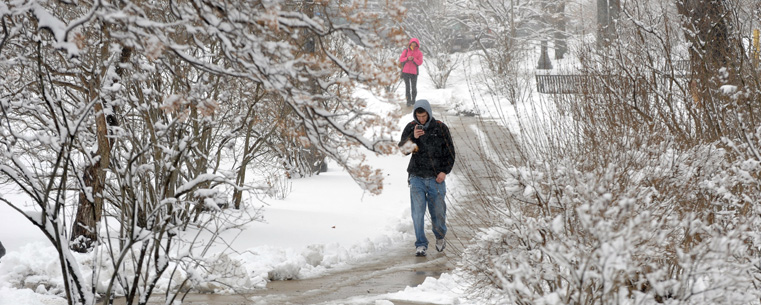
410	87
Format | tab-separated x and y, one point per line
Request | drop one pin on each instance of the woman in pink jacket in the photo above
411	58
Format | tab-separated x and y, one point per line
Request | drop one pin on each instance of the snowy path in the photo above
398	268
393	272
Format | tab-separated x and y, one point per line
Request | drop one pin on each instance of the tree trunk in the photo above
90	210
707	30
602	23
84	232
614	13
561	46
544	59
608	12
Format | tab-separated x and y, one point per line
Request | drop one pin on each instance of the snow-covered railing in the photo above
593	84
680	67
572	84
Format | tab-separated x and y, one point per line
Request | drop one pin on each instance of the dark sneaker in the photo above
441	244
420	251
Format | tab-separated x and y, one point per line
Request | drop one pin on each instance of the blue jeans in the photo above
427	192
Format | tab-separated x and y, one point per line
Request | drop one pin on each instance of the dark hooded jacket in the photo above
435	150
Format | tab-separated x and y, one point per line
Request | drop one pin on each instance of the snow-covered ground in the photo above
325	222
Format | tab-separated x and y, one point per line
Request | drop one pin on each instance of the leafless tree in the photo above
443	37
132	125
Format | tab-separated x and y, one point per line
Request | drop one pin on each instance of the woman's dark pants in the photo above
410	87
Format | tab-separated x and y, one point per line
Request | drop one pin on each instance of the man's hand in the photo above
441	177
418	133
410	58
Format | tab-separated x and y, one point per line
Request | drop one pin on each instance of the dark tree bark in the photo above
544	59
707	28
561	46
90	210
608	12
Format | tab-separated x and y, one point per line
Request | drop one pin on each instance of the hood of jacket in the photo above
427	107
415	41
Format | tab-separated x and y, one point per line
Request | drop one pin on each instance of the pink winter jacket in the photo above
410	67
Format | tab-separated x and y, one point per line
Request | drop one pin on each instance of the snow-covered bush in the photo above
665	226
639	189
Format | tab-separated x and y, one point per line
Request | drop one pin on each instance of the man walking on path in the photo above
433	155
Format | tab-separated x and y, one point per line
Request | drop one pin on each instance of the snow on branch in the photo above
188	186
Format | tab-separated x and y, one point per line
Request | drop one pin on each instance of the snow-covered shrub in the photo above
640	188
459	107
666	226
